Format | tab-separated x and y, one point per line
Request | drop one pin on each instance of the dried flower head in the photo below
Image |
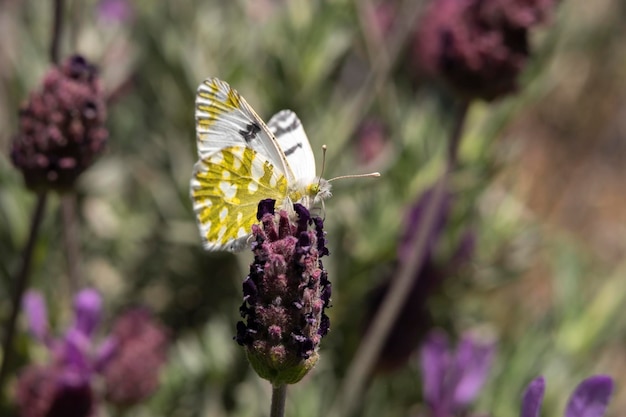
478	48
132	374
61	128
285	294
46	391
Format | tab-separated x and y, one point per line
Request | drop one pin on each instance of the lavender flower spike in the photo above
590	398
285	295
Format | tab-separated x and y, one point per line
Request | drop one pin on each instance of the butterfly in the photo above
243	161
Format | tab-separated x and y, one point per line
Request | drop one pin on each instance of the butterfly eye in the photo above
313	189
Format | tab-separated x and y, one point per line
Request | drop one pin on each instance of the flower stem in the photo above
395	299
455	134
70	240
56	31
21	283
279	397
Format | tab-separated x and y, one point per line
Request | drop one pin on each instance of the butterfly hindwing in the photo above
226	188
294	143
224	118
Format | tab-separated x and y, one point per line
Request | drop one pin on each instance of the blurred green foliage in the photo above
553	304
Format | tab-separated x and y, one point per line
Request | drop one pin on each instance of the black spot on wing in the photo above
292	149
281	130
250	132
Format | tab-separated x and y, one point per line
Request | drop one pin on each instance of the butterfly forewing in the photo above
294	143
224	118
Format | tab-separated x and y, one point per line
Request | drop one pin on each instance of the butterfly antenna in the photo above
371	174
319	181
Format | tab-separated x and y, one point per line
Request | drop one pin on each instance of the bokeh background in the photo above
539	185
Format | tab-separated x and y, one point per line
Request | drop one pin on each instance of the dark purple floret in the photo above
249	291
78	68
326	290
242	338
265	207
285	295
304	217
324	325
321	236
304	240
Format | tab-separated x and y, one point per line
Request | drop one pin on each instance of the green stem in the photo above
56	31
70	240
21	283
279	397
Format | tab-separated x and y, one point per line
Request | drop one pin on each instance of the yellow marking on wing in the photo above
226	191
233	99
220	102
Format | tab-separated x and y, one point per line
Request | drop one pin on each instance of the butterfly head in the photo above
310	192
319	190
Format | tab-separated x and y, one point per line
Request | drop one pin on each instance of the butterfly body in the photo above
243	161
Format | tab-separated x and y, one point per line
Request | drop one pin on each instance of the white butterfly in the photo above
243	161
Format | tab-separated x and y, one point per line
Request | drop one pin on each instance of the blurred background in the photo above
538	192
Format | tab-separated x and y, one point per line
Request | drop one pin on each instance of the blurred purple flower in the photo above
132	374
383	17
517	13
115	11
64	387
372	140
453	380
414	320
415	220
590	398
478	48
